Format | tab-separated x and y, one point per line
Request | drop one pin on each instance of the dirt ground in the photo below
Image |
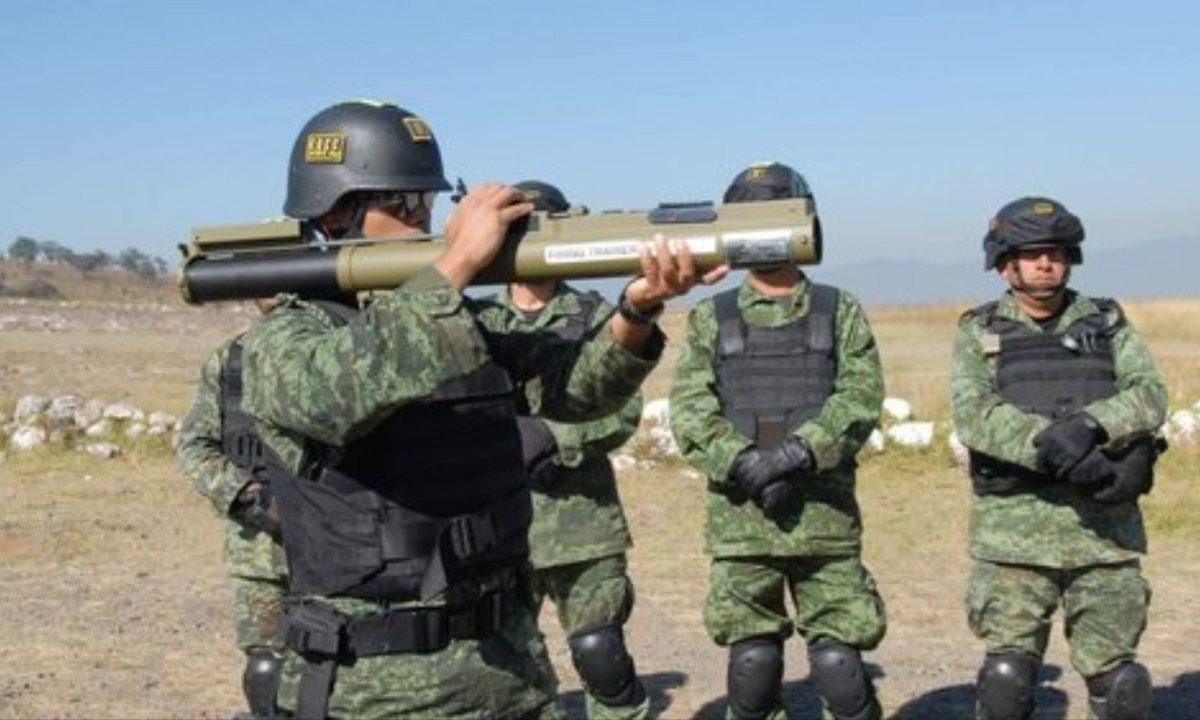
115	604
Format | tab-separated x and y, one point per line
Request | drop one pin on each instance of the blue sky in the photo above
128	123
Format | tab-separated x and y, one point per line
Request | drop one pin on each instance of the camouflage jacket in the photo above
829	522
1065	529
580	518
313	385
248	553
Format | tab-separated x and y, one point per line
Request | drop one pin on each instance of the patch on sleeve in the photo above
991	344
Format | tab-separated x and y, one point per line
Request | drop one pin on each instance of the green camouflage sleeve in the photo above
578	381
335	383
708	441
1140	405
582	441
198	444
853	410
983	421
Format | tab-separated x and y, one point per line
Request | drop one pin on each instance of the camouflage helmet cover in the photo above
360	146
1032	222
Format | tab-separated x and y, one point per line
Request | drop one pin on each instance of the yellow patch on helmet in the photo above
418	130
1043	208
325	148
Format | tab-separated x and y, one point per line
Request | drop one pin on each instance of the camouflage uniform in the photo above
579	534
1052	543
253	559
314	387
813	552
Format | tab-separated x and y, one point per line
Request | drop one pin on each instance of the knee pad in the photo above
260	681
605	667
1122	693
755	677
842	681
1004	688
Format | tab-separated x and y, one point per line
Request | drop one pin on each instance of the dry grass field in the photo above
115	605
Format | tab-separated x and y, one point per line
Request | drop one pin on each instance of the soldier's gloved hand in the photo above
1065	442
538	450
755	468
776	498
1133	474
1094	469
257	509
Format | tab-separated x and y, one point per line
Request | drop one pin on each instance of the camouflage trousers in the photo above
258	577
506	675
257	604
585	595
1010	608
834	597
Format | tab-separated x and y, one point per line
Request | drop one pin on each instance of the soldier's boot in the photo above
1004	687
607	673
842	681
1122	693
260	681
754	680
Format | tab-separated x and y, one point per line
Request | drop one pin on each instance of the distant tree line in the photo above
28	250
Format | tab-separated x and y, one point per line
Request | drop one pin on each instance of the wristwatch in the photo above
632	314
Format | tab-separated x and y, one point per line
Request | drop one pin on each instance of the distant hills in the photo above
1157	269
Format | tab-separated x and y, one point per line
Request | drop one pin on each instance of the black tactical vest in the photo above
435	492
772	379
1052	374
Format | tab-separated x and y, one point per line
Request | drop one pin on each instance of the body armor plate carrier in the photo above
770	380
1052	374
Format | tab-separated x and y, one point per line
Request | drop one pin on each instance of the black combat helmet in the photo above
360	146
767	181
544	196
1032	222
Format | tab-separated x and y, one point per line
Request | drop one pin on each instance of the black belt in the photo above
326	638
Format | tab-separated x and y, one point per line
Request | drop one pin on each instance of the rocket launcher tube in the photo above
250	261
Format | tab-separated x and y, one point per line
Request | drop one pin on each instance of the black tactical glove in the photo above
257	508
538	449
1094	469
756	468
776	498
1133	474
1065	442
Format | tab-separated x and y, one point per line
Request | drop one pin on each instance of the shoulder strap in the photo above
239	440
339	313
822	316
731	331
588	303
984	314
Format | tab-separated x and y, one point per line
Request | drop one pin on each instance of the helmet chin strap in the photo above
1041	294
353	230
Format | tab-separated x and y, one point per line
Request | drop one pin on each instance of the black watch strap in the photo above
635	316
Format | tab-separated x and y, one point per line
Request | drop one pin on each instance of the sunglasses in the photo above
406	204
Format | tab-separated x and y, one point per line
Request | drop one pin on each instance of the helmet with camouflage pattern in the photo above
1032	222
360	146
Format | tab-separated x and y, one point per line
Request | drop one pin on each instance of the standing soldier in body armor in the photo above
392	443
776	389
579	534
1057	398
216	451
